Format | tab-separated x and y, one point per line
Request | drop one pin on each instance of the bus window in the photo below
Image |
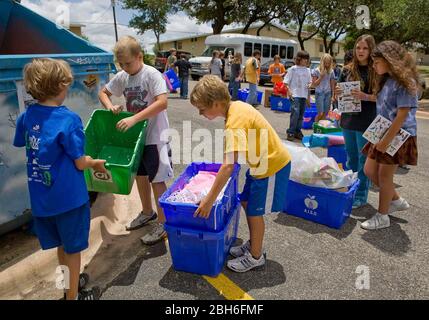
247	49
257	46
266	51
290	52
274	50
282	52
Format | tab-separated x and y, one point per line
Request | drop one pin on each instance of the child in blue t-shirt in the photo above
54	140
396	101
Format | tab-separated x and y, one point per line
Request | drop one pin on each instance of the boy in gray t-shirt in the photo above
145	93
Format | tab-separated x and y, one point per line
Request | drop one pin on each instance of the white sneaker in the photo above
378	221
238	251
246	262
399	205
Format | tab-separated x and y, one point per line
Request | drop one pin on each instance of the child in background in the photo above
183	65
396	91
267	179
324	82
145	93
171	60
277	70
298	81
54	140
215	67
222	59
235	77
252	77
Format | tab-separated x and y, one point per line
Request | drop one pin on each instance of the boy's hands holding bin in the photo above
126	123
116	109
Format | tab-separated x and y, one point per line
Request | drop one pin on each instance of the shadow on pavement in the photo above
392	240
128	277
121	248
176	281
189	283
314	228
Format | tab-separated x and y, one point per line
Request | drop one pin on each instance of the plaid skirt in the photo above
407	154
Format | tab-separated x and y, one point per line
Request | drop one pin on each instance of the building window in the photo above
321	48
282	52
179	45
248	49
266	51
257	46
290	52
274	50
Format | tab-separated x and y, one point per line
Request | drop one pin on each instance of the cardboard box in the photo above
268	93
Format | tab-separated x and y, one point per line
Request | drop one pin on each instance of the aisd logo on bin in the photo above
104	176
311	204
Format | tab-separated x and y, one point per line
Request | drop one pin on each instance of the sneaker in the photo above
379	221
399	205
290	137
239	251
299	135
156	235
141	220
89	294
83	281
246	262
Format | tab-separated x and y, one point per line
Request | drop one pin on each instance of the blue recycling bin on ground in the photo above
24	35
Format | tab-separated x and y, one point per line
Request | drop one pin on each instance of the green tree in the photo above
151	15
264	11
219	13
304	15
405	21
335	18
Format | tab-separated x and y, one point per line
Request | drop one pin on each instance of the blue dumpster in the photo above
25	35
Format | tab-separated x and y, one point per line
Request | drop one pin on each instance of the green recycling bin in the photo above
121	150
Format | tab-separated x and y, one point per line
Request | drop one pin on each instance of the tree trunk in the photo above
263	26
217	27
299	35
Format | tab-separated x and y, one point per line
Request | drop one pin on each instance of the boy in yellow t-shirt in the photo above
249	136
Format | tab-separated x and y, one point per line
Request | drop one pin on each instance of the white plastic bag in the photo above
307	168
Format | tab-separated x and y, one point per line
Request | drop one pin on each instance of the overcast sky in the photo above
97	16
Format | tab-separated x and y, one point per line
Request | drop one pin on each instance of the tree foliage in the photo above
150	15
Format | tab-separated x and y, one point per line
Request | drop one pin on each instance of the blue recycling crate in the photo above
173	79
182	214
309	117
310	113
202	252
339	154
307	123
244	93
321	205
280	104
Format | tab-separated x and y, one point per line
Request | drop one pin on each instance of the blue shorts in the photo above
69	230
266	195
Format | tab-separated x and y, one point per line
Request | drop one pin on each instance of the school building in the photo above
196	44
